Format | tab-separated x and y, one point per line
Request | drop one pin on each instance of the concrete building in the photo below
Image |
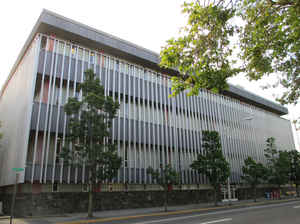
151	128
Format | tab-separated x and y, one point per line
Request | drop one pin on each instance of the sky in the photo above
145	23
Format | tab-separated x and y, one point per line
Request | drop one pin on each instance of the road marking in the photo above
184	217
215	221
297	206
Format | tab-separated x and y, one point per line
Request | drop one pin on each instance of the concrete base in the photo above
230	200
28	204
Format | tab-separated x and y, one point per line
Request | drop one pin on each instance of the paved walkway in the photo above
127	213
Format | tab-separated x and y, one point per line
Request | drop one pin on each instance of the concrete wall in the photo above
36	204
15	116
67	202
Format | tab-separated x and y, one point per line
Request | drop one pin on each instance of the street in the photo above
286	213
277	212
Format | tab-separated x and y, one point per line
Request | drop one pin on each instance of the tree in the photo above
254	173
266	38
165	177
294	158
278	164
88	139
270	42
211	162
202	54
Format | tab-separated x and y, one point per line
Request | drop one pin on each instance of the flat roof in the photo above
52	23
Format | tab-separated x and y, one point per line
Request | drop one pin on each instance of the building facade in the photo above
150	129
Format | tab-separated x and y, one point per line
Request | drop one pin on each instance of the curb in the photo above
86	221
35	217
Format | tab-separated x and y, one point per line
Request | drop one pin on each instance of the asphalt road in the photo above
285	213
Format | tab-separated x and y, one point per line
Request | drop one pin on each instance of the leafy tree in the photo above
254	173
165	177
90	120
278	164
266	34
202	53
294	158
270	42
212	162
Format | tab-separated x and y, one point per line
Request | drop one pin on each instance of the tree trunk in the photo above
297	190
255	193
90	207
279	192
215	197
166	200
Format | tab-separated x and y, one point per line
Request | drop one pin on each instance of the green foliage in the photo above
164	176
254	173
271	150
212	162
266	33
270	42
202	53
89	126
278	164
294	158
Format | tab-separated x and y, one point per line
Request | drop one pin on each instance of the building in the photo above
151	128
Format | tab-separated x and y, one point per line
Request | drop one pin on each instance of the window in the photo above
117	66
43	42
92	57
55	187
68	49
80	54
126	156
73	51
85	187
61	47
58	150
86	55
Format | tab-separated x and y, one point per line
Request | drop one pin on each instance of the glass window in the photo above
121	67
50	44
117	64
104	63
112	61
74	51
126	69
43	42
92	57
97	59
68	49
60	48
86	55
126	110
80	54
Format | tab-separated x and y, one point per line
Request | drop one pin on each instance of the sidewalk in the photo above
135	213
